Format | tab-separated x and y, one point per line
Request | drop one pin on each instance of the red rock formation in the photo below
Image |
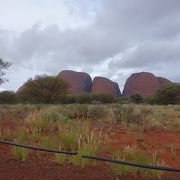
143	83
163	80
80	82
104	85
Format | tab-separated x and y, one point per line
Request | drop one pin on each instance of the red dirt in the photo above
39	167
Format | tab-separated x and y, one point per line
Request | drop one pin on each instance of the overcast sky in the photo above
111	38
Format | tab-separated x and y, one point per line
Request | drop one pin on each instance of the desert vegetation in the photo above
90	129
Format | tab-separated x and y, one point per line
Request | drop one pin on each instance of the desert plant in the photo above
47	142
22	135
36	122
168	94
84	150
133	155
68	142
43	89
20	153
96	112
60	158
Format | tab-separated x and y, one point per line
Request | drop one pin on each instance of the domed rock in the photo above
80	82
163	80
143	83
104	85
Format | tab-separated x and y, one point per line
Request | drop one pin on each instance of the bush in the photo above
96	111
43	89
136	98
123	100
133	155
168	94
8	97
103	97
83	98
69	142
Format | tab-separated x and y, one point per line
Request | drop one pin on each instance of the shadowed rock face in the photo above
80	82
104	85
143	83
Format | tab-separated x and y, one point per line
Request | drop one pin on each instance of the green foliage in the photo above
131	154
136	98
54	117
69	142
20	153
47	142
83	98
168	94
103	97
123	100
43	89
8	97
84	150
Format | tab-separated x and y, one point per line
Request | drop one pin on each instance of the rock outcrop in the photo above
143	83
80	82
104	85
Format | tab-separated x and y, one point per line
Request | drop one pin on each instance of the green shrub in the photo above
54	117
85	150
131	154
47	142
168	94
136	98
43	89
103	97
8	97
69	142
83	98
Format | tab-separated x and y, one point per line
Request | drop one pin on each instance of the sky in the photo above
110	38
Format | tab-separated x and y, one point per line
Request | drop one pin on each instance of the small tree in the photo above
4	65
168	94
44	89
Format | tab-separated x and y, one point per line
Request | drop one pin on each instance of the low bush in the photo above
96	112
8	97
131	154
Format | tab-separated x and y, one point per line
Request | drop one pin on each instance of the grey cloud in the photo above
118	26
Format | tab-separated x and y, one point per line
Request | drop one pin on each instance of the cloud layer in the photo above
110	38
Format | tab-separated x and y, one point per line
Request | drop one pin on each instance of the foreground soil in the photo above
36	168
41	166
